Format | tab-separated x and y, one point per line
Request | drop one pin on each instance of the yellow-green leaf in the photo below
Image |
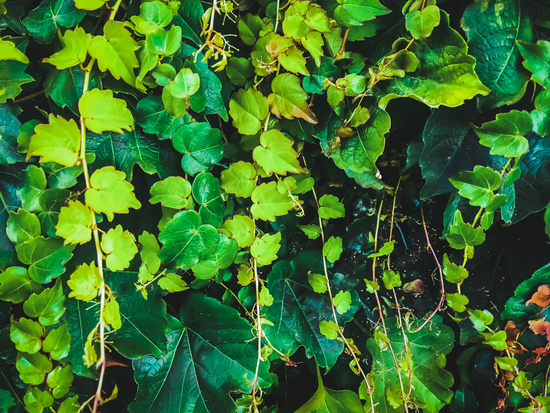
75	51
119	247
102	112
265	249
84	282
75	223
276	154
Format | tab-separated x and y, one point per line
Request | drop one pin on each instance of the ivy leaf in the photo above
75	223
265	299
478	186
331	207
8	51
333	249
176	94
391	279
242	230
34	183
75	49
463	235
12	76
313	43
47	306
329	329
172	283
58	343
265	249
342	302
33	368
60	380
312	231
268	203
249	27
541	115
102	112
58	141
201	146
356	12
289	99
505	135
207	193
276	154
152	16
85	282
239	179
171	192
506	363
318	282
112	314
149	252
22	226
445	73
26	335
45	256
480	318
65	87
213	350
457	302
249	109
422	22
115	51
453	273
89	5
223	258
238	70
499	23
36	400
111	193
119	247
496	340
294	61
41	22
187	241
16	285
153	118
430	383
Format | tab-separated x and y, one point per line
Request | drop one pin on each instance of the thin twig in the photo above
29	97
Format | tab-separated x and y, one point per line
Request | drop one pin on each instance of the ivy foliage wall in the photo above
274	206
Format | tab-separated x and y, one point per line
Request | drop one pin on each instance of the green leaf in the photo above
478	186
505	135
12	76
32	368
172	192
421	23
249	27
45	256
238	70
457	302
313	43
60	380
268	203
445	73
149	252
331	207
201	146
245	274
242	229
6	401
480	318
207	193
172	283
212	350
342	302
175	95
65	87
41	22
58	343
75	49
153	118
102	112
187	241
16	286
537	58
506	363
453	273
329	329
294	26
312	231
27	335
249	109
152	16
276	154
318	282
226	252
111	193
22	226
75	223
463	235
496	340
391	279
428	347
58	141
266	299
47	306
541	115
36	400
115	51
71	405
492	29
34	182
119	248
356	12
294	61
239	179
289	99
8	51
372	286
333	249
111	314
85	282
265	249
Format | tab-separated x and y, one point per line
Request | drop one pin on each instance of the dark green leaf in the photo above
207	193
46	257
41	22
153	118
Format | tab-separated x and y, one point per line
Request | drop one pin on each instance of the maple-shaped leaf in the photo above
111	193
269	203
75	223
242	229
8	51
541	297
102	112
84	282
276	154
57	141
120	248
289	99
115	51
265	249
75	51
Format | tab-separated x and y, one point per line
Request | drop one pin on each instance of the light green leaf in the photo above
496	340
58	141
313	43
207	193
506	363
505	135
111	193
537	60
112	314
333	248
453	273
75	49
372	286
248	108
265	249
457	302
153	118
152	16
22	226
85	282
32	368
245	274
226	252
294	26
70	404
171	192
391	279
16	285
47	306
356	12
164	42
8	51
331	207
294	61
478	186
342	302
75	223
289	99
27	335
421	23
37	400
60	380
268	203
172	283
149	252
238	70
249	27
329	329
318	282
242	229
45	256
185	84
480	318
119	246
317	19
276	154
239	179
89	5
58	342
115	51
102	112
312	231
462	235
266	299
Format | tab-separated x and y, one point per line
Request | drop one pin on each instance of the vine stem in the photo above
260	333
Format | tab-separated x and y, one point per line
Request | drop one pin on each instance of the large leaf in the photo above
356	12
426	353
41	22
492	28
46	257
210	354
297	309
445	74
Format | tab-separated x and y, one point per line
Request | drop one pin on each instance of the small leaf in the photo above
33	368
242	230
265	249
457	302
329	329
497	340
75	49
111	314
391	279
478	186
276	154
75	223
46	257
269	203
289	99
421	23
462	235
172	192
453	273
16	285
149	252
330	207
312	231
152	16
58	342
249	27
85	282
318	282
248	108
207	193
26	335
47	306
119	247
506	363
37	400
372	286
333	248
342	301
60	380
266	299
245	275
172	283
8	51
89	5
356	12
102	112
480	318
239	179
294	61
